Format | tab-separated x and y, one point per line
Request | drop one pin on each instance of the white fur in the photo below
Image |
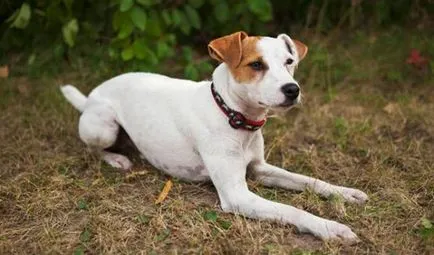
75	97
275	54
179	129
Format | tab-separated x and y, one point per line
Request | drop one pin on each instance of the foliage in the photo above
146	32
427	229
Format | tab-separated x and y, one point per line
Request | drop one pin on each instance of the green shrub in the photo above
148	31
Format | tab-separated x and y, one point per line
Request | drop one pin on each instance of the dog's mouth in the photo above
263	104
285	105
288	103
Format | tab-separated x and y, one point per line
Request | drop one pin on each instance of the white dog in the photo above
210	130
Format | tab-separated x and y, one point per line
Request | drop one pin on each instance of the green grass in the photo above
367	122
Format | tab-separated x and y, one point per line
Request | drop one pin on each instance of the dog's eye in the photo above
257	65
289	61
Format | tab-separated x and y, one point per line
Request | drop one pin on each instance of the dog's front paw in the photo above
332	230
353	195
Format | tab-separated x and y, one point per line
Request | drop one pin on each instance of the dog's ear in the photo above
228	48
300	47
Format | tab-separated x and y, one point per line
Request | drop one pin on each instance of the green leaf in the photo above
225	224
221	11
152	57
145	3
187	53
163	235
196	3
127	53
193	16
31	59
39	12
272	248
79	250
117	43
82	205
85	235
118	19
210	216
166	17
68	4
176	17
163	49
153	27
191	72
206	67
112	53
126	5
69	31
143	218
126	29
140	49
262	8
185	24
427	230
22	17
138	16
171	39
426	223
59	50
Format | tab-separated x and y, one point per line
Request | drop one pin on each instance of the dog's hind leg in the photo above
98	129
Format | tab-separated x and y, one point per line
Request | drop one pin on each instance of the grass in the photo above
367	122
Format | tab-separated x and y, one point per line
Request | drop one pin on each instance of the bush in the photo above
149	31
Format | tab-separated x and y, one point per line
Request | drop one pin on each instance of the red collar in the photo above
236	119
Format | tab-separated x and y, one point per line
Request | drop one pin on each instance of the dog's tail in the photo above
74	96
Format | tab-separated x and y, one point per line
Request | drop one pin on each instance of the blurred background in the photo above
143	34
367	121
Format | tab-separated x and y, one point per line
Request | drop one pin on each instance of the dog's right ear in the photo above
292	44
228	48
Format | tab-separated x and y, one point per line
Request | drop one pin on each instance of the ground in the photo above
367	122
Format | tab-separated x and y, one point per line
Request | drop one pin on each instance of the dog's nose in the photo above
290	90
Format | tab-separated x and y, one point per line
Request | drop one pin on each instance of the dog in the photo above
211	130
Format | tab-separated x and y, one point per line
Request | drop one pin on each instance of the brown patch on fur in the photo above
237	50
228	48
301	49
243	73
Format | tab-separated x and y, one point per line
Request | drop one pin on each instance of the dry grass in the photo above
55	197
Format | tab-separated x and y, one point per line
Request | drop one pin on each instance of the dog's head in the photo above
261	68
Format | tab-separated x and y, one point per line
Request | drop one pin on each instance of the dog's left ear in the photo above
228	48
300	47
